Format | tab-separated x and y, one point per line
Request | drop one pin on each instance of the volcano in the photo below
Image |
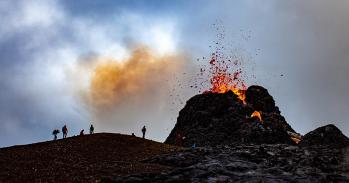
242	137
223	118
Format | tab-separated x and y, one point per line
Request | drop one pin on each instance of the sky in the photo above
58	59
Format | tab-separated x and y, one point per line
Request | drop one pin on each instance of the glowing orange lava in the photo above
258	115
224	79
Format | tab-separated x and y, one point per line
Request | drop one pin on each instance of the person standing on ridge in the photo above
92	129
143	131
65	131
54	133
82	132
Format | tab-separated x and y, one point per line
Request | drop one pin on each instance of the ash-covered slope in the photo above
87	158
211	119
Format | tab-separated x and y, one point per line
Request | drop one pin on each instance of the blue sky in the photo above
43	42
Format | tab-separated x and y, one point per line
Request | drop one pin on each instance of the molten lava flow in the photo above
225	69
220	84
258	115
223	81
241	94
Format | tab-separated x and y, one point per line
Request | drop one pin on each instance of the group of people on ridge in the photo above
178	140
65	132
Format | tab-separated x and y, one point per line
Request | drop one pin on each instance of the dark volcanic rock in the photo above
328	135
249	163
237	148
260	99
214	118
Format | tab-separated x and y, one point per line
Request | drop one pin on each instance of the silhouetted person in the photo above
92	129
133	135
54	133
82	132
143	131
65	131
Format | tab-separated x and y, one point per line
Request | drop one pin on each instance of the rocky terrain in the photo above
252	163
236	146
232	145
328	135
86	158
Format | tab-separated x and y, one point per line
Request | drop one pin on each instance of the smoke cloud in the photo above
124	94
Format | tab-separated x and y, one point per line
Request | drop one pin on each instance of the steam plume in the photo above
139	84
